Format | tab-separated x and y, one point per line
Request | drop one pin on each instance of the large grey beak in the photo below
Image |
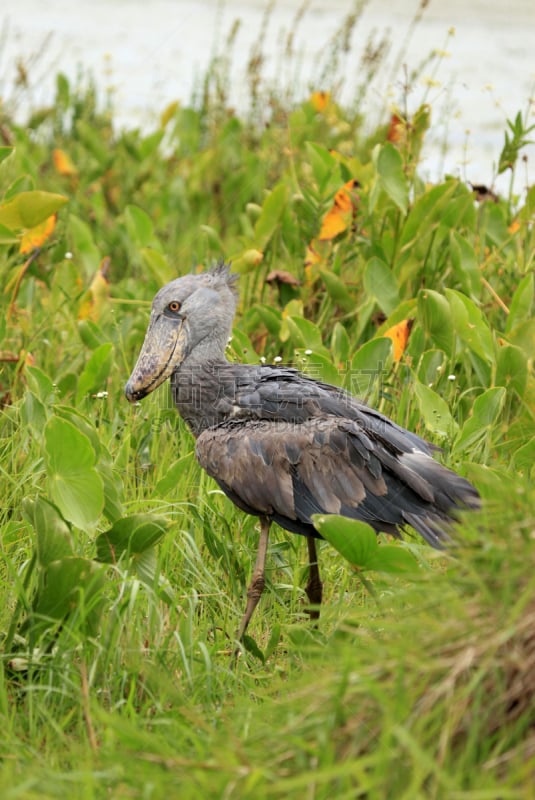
164	349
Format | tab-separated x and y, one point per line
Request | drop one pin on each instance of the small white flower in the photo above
277	359
68	255
452	378
308	352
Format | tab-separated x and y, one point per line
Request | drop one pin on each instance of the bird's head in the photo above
190	316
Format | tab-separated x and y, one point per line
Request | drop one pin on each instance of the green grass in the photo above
117	678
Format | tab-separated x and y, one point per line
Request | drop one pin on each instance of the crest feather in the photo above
222	275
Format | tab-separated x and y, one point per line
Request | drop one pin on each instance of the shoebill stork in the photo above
282	445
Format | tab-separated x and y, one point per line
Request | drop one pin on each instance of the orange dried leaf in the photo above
514	226
320	100
396	129
340	215
35	237
63	163
400	336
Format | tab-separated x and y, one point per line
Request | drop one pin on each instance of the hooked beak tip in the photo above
132	395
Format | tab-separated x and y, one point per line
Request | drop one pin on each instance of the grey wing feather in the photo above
289	471
285	394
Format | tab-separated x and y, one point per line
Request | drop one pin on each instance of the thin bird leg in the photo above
314	587
258	580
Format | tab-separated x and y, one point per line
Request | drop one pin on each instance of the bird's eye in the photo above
174	306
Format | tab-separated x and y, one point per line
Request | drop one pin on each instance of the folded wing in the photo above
289	471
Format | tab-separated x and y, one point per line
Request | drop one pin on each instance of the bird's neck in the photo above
197	389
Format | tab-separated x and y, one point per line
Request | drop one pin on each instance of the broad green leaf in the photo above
113	490
7	236
28	209
435	317
464	261
95	374
392	178
271	318
512	368
495	224
33	412
240	344
173	476
139	226
272	210
523	336
71	587
24	183
460	211
53	535
145	566
40	384
74	484
83	245
303	333
130	536
356	541
90	334
527	211
524	457
340	344
470	325
81	423
149	145
337	290
5	152
424	217
521	303
435	412
323	164
94	142
370	364
157	265
214	238
393	558
380	283
251	646
485	413
431	366
319	366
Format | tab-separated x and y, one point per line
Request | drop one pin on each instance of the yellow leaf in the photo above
35	237
169	112
320	100
400	336
98	293
63	164
312	256
340	215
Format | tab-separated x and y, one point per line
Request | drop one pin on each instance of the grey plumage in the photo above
281	445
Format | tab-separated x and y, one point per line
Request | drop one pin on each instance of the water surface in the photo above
154	52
